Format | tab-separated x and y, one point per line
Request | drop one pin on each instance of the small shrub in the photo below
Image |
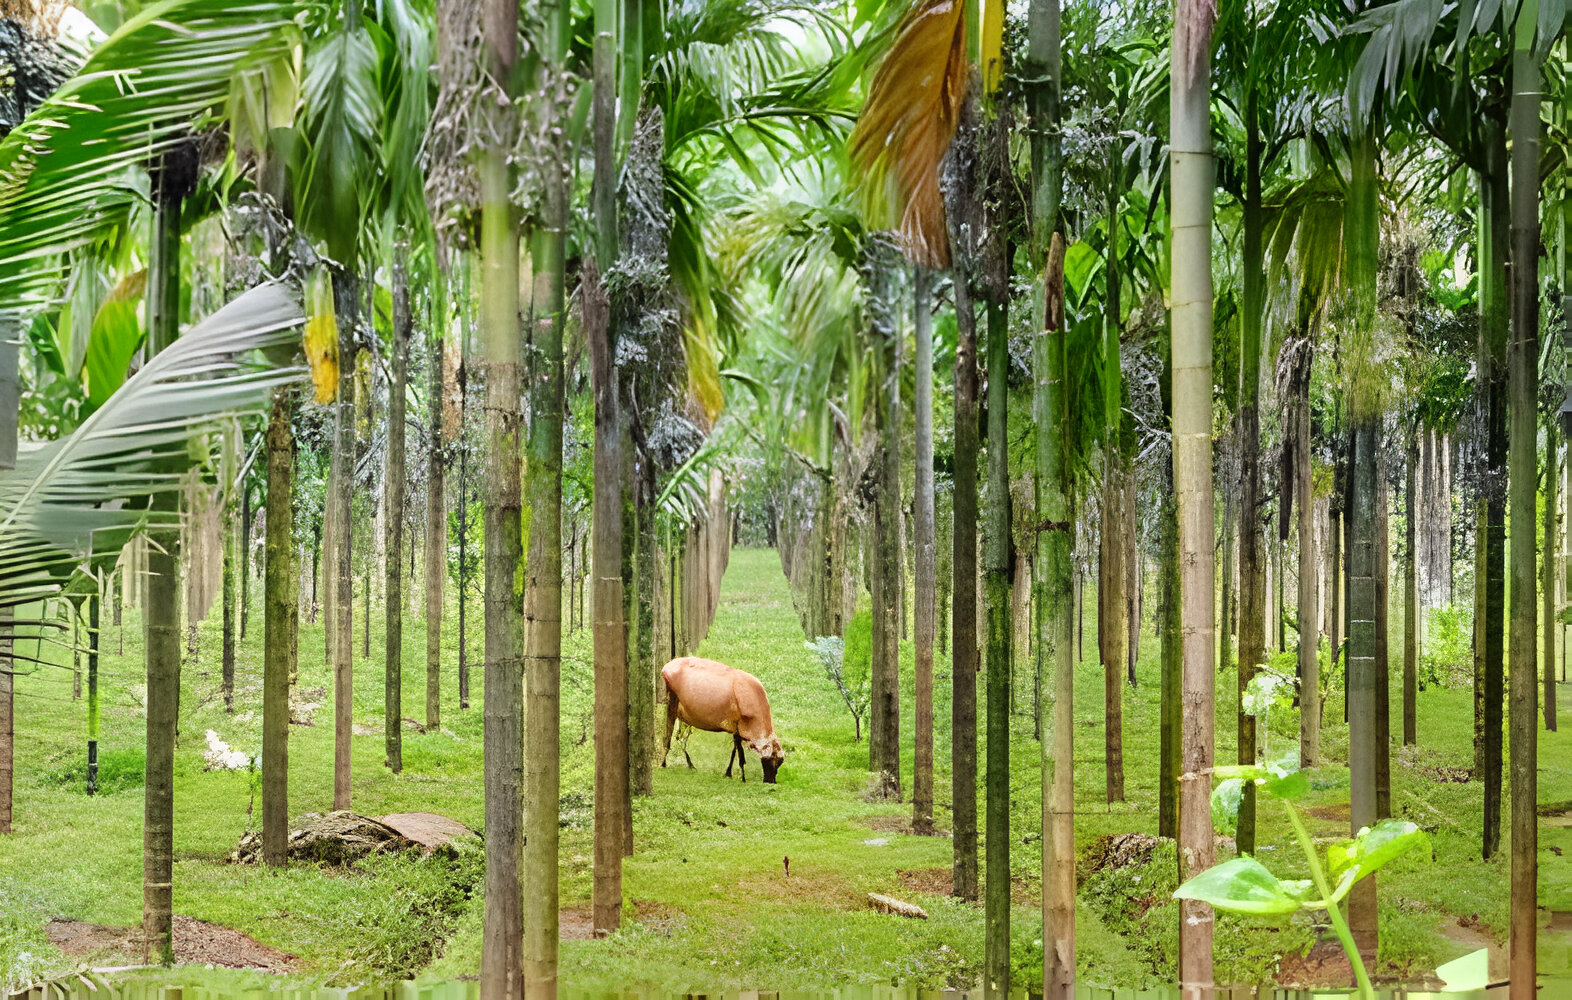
1447	659
848	663
118	770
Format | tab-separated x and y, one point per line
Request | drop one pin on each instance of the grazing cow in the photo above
719	699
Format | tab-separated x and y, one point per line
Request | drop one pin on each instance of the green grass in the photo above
708	863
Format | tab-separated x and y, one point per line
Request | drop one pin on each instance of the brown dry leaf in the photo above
908	121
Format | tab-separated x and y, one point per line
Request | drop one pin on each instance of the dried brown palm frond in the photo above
906	126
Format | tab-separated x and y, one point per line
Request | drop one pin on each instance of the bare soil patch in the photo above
576	923
933	881
1337	812
196	942
889	823
1324	964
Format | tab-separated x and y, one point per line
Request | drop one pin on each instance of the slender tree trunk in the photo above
611	627
1191	179
393	486
543	586
1170	724
245	561
95	609
1252	563
1053	575
1226	623
227	596
963	650
346	293
926	609
1112	631
1495	321
1309	561
884	733
436	544
1523	359
463	540
502	934
279	653
1411	603
1364	536
999	555
1383	678
7	716
1547	585
161	610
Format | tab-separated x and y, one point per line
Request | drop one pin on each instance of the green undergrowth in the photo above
709	902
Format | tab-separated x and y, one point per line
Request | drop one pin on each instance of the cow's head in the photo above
771	756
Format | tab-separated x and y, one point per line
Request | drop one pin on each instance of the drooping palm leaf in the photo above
64	171
907	123
82	497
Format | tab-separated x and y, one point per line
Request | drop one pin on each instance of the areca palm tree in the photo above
1190	174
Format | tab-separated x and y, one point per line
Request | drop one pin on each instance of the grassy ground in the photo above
717	910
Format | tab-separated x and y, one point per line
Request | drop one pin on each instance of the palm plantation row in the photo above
588	262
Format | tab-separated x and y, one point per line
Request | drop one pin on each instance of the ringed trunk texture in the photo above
543	604
963	629
1523	360
346	294
1112	630
393	558
279	652
926	594
436	544
1191	180
502	934
1309	566
999	555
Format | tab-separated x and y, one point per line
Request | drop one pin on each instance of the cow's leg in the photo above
671	723
742	761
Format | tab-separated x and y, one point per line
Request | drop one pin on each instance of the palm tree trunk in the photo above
1494	313
1053	576
1191	179
161	613
7	716
884	734
1252	567
1524	373
963	646
1547	586
463	523
436	542
1383	677
611	633
244	567
1363	228
227	611
996	978
95	613
502	934
1411	601
1226	623
393	486
1169	709
1309	561
926	608
1112	633
346	294
543	594
279	653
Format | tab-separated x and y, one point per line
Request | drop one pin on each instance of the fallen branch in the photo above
889	904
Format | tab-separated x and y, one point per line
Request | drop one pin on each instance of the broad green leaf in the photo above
1374	848
1225	805
1471	972
1243	885
117	333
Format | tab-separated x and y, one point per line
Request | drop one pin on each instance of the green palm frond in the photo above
342	128
64	172
82	497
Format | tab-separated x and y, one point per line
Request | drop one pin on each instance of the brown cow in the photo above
720	699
